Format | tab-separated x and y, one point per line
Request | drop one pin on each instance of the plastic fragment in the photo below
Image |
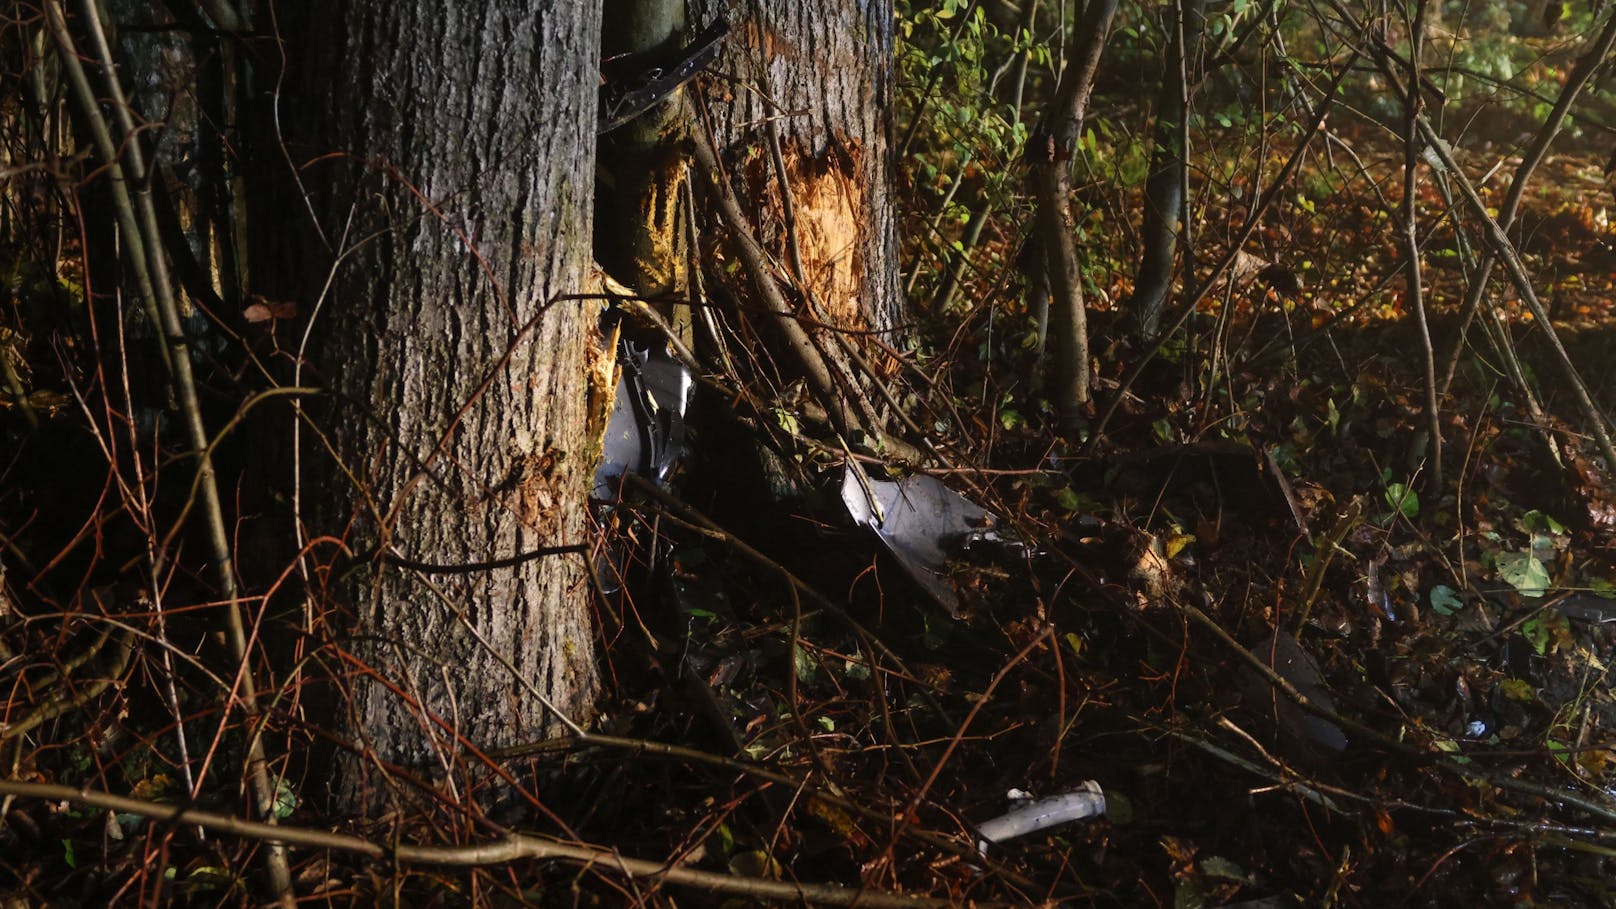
1039	814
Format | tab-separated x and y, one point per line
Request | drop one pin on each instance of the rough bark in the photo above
1167	186
468	141
1049	159
821	73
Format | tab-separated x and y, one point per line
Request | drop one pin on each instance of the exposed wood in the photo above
822	73
639	234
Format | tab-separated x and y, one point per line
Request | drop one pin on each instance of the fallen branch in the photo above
815	365
57	705
515	847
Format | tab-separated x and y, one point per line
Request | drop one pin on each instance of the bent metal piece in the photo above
623	100
922	523
645	433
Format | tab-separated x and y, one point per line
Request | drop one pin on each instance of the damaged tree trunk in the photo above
804	138
460	213
640	226
818	76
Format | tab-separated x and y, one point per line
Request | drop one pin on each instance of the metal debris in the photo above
1032	815
922	523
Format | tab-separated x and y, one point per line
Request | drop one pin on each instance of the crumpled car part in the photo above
922	523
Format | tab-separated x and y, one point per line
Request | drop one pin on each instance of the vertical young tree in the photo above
1050	148
1167	188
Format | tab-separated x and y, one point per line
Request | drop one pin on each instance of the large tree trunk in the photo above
821	74
469	135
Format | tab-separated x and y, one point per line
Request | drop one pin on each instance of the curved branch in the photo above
515	847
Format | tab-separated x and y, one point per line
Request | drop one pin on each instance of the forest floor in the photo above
1259	526
1263	501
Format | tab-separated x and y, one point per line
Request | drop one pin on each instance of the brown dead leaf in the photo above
263	310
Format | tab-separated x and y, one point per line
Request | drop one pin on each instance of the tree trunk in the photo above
818	75
469	143
1167	187
1049	161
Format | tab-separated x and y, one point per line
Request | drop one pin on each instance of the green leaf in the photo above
1218	866
1068	499
1403	500
756	863
1522	571
1445	600
1547	632
786	421
803	663
1559	750
1516	690
1451	747
1539	521
825	723
1536	634
285	800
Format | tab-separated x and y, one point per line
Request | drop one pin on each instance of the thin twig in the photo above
1253	218
146	241
57	706
1550	794
1581	74
1411	239
696	519
1596	422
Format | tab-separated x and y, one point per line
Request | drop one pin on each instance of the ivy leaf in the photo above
1535	520
1445	600
1522	571
1536	635
803	662
285	800
1548	632
1218	866
1403	500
